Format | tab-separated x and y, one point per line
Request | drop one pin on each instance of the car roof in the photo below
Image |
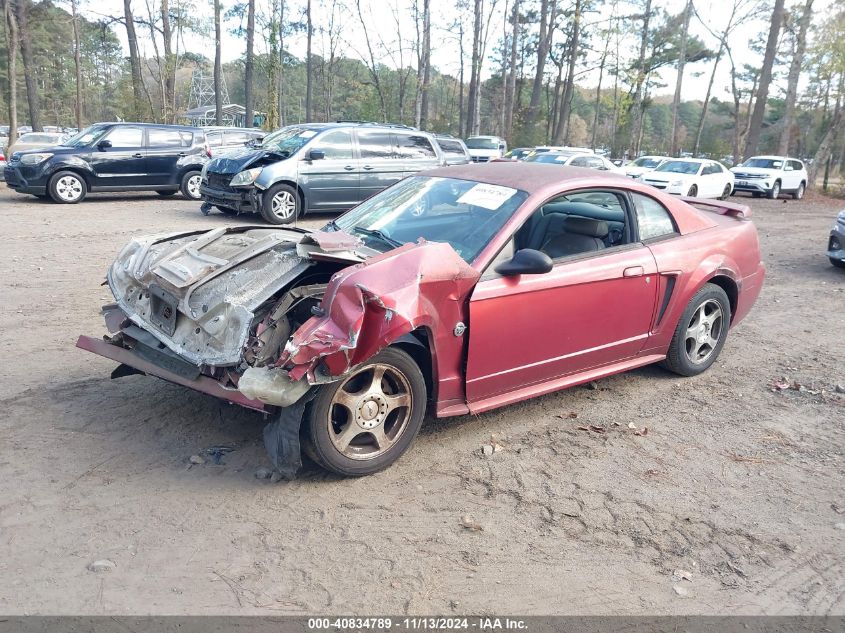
528	177
190	128
772	157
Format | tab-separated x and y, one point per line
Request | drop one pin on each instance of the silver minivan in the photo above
316	167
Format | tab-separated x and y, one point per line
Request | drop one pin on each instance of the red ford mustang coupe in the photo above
460	290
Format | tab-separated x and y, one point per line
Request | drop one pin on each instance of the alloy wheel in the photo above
69	188
193	186
284	205
370	411
703	331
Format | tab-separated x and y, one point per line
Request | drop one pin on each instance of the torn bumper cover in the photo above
368	306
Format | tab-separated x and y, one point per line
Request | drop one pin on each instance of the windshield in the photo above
547	157
482	143
87	136
763	163
646	161
680	167
462	213
288	140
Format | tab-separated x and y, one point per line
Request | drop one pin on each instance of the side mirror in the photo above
316	154
103	145
526	262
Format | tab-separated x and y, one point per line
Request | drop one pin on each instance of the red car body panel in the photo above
592	315
589	317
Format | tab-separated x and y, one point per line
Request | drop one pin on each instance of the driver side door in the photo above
124	163
592	309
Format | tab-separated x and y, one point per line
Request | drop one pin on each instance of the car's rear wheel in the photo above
700	333
166	194
190	186
280	204
693	191
774	192
726	193
364	422
799	193
67	187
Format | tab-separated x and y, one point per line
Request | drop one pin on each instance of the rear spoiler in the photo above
721	207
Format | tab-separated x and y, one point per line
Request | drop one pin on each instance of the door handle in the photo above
349	168
368	167
633	271
137	155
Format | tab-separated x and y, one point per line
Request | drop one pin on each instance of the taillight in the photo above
207	150
2	156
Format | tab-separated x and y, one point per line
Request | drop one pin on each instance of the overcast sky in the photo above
381	16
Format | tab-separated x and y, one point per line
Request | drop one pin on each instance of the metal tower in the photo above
202	89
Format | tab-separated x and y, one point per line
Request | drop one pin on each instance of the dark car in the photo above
113	157
836	242
316	167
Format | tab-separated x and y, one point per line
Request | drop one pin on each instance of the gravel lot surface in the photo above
732	502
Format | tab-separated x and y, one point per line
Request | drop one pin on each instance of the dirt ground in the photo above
732	502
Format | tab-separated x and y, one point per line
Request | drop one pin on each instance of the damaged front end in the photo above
259	316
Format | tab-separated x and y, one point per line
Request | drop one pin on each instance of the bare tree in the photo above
511	83
218	66
308	61
794	73
423	63
682	59
12	42
562	131
22	14
249	67
134	58
371	61
640	67
755	126
77	62
548	14
169	97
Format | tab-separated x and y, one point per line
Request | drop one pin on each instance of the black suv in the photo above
113	157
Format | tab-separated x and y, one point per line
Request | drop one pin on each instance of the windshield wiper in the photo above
378	234
331	224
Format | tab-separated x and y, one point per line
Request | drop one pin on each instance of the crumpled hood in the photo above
368	306
196	292
240	160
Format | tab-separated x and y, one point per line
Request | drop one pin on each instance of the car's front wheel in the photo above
693	191
364	422
190	186
280	204
700	333
67	187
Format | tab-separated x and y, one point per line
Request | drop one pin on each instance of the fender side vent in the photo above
667	295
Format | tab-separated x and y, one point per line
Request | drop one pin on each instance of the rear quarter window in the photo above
450	147
375	144
414	146
653	219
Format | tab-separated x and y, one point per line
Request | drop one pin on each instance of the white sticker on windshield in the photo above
488	196
307	133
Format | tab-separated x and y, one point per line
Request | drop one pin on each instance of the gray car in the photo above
454	149
316	167
836	242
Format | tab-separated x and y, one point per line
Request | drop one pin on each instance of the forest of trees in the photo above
576	72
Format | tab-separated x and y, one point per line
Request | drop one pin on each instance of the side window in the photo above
797	165
214	139
596	163
575	224
236	138
413	146
160	137
450	147
337	145
375	144
652	217
579	161
122	136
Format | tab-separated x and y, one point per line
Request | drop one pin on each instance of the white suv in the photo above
771	175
